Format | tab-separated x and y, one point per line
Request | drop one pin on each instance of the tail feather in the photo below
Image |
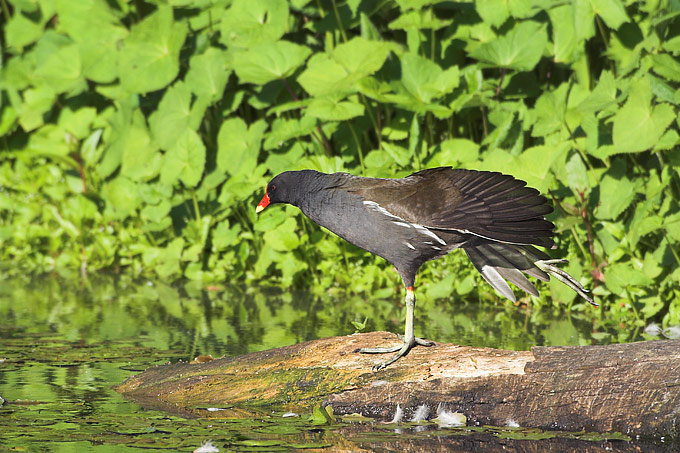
490	273
498	262
509	270
521	261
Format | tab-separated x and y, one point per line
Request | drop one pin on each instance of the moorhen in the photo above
493	217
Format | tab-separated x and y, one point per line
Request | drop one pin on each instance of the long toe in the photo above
426	343
405	348
379	350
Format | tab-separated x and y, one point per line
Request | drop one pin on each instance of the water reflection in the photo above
231	322
63	345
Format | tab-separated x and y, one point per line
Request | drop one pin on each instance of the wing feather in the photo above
488	204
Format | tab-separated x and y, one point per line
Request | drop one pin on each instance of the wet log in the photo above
628	388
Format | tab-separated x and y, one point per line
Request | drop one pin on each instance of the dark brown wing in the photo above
486	204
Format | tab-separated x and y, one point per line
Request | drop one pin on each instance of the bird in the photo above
496	219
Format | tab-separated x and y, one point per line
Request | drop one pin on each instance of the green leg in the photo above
409	340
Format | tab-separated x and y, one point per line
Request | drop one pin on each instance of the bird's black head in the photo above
286	187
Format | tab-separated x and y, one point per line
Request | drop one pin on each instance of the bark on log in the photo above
629	388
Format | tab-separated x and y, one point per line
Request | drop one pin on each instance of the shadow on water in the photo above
62	347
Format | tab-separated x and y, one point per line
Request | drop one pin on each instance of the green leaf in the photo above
425	80
454	150
331	109
224	235
121	197
247	23
284	129
141	160
666	66
619	276
602	97
612	12
399	154
238	147
208	74
77	122
520	49
156	213
284	238
418	20
616	191
184	161
119	125
577	178
266	62
37	102
59	64
21	30
339	72
532	166
566	45
494	12
150	55
97	31
171	118
50	140
368	28
638	126
584	24
550	108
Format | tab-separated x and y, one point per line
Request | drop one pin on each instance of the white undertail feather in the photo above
500	262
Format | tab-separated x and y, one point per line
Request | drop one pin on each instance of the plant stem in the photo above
358	145
486	130
197	211
432	45
337	18
500	82
673	251
600	28
289	89
578	242
321	137
5	10
372	118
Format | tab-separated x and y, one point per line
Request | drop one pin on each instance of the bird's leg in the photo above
409	340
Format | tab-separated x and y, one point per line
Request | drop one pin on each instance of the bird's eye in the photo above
272	187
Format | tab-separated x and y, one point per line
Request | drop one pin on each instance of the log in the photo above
629	388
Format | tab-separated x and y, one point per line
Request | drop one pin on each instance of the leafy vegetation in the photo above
138	136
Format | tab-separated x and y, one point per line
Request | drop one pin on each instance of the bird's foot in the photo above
400	349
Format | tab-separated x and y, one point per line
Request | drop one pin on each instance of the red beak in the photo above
264	202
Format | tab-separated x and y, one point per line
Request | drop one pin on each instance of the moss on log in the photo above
630	388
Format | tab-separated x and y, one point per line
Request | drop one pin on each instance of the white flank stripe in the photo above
436	248
487	237
380	209
408	244
427	232
401	222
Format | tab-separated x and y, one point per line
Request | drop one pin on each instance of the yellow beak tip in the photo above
259	209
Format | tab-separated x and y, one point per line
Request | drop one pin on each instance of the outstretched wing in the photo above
486	204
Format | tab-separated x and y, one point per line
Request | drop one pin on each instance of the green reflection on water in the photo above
63	346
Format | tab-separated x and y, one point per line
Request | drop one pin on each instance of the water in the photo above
63	345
